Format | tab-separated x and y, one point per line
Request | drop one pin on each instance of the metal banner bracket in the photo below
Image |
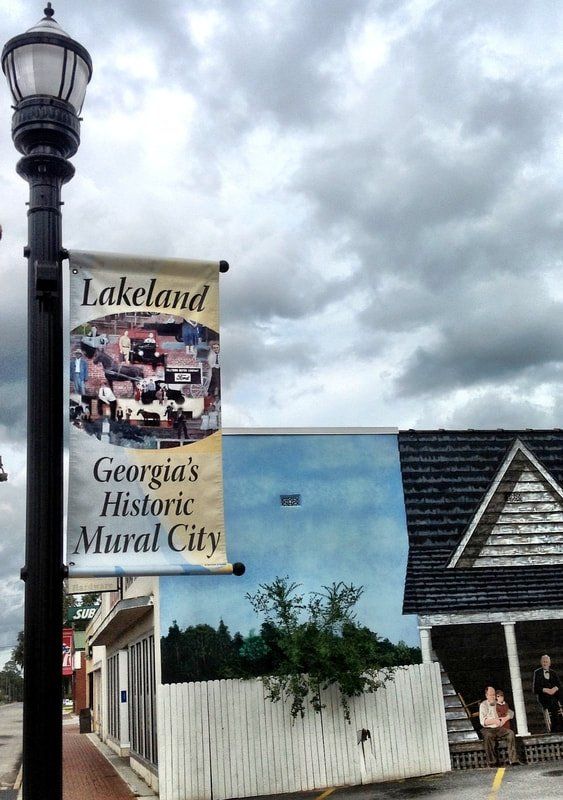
46	279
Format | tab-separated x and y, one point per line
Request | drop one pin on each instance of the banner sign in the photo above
145	471
67	651
80	613
91	585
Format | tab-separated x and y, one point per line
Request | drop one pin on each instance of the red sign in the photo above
67	651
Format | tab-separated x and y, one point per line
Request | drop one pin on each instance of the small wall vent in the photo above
290	499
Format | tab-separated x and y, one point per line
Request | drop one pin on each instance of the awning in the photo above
124	615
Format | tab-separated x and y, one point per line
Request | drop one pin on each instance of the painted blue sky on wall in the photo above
349	527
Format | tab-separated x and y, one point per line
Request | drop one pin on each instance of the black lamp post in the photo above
48	73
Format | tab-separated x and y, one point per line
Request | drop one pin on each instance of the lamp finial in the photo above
49	11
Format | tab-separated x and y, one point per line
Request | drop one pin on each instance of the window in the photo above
142	699
113	696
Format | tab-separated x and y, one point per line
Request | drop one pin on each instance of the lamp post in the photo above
48	73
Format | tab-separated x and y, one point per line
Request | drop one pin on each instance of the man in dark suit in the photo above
547	688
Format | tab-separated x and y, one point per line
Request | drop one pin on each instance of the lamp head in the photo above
47	73
46	61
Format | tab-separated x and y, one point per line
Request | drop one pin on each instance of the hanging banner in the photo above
68	641
145	472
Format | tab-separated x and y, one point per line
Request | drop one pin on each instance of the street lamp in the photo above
47	73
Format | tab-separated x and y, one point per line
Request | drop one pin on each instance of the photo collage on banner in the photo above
145	478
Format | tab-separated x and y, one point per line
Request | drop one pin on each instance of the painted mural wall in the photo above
317	508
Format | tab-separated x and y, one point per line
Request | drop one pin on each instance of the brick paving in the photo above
87	775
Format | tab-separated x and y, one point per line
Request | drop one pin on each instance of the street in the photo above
11	716
538	782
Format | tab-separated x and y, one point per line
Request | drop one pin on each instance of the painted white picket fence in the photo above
224	739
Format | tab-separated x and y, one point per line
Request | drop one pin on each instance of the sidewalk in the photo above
91	771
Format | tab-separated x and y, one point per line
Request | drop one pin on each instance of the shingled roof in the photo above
446	477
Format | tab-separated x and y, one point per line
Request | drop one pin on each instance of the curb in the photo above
18	784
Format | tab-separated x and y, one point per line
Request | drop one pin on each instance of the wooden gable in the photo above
519	521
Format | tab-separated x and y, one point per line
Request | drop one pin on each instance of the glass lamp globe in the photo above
45	61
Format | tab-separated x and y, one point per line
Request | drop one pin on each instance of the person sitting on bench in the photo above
503	709
492	728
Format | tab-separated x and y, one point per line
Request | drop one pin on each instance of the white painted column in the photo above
123	699
426	643
104	700
515	679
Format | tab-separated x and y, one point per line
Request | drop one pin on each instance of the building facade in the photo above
484	515
320	506
474	519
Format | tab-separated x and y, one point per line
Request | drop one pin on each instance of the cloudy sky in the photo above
384	177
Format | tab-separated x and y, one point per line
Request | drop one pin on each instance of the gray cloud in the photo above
459	193
250	351
490	409
275	63
488	336
287	286
391	206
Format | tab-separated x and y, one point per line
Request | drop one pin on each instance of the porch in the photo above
531	750
474	655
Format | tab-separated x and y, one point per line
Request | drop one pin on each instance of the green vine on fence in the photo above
320	645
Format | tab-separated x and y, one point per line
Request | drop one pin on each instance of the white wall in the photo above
224	739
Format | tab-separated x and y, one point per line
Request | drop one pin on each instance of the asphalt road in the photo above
538	782
11	717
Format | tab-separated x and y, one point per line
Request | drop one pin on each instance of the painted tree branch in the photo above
321	644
